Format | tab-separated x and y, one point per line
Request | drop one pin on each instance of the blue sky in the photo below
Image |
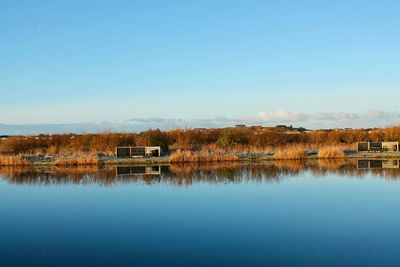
77	61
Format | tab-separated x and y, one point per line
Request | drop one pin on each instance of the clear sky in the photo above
78	61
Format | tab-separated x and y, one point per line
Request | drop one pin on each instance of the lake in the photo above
284	213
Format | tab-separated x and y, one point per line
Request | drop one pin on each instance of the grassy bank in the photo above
296	152
228	139
193	145
204	155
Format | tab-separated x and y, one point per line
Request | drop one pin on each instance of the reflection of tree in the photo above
188	174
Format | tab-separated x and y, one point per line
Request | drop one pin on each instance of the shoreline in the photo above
240	157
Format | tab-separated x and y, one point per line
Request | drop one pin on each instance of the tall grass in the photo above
250	138
193	145
203	155
331	152
291	153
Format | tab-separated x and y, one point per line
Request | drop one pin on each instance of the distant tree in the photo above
157	138
230	138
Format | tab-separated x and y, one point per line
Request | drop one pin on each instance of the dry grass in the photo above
244	139
331	152
203	155
13	161
291	153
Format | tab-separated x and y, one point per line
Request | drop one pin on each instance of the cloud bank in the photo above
316	120
368	117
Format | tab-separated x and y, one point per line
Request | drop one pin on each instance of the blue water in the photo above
299	220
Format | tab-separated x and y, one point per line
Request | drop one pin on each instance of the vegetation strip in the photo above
194	145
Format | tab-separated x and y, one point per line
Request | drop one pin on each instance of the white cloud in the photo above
370	118
281	116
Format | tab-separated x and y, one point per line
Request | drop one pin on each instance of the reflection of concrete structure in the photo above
378	146
138	170
378	164
138	151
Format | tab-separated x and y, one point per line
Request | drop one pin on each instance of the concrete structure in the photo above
138	151
378	146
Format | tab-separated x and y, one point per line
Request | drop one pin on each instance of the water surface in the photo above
288	213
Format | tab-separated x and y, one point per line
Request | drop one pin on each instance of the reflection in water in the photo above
138	170
378	164
187	174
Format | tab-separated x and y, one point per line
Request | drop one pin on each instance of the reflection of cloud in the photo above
370	118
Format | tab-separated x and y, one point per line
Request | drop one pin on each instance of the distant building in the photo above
290	128
240	126
283	126
201	129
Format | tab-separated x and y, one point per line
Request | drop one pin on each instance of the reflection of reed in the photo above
13	161
328	166
187	174
48	176
291	165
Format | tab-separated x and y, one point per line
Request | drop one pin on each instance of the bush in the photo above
230	138
156	138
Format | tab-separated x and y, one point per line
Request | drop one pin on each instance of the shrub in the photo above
230	138
156	138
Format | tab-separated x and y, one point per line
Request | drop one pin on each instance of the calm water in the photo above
274	214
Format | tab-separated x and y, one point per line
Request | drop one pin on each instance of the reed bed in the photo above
290	153
249	139
331	152
6	160
202	156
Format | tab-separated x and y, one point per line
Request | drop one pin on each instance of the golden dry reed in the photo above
193	145
331	152
202	156
295	152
